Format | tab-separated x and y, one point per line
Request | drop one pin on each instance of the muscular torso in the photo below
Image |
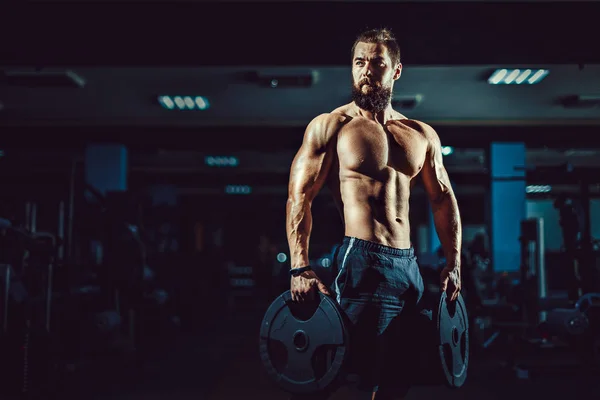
371	178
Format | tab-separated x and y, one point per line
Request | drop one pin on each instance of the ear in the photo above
398	71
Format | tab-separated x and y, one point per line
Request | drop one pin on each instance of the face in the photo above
373	76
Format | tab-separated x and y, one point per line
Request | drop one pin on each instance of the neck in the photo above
381	117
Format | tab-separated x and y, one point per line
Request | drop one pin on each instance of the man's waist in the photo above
376	246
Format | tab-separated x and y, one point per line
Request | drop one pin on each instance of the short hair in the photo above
380	36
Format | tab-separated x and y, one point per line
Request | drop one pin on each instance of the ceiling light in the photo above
538	189
517	76
221	161
189	102
184	102
238	189
179	102
166	102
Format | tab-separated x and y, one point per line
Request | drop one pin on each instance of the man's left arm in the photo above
445	211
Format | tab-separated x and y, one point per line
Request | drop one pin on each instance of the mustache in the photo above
368	81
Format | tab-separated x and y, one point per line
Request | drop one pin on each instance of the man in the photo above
369	155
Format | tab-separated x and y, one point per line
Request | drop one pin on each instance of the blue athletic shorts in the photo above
379	289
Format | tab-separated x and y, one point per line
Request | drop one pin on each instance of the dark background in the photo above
130	52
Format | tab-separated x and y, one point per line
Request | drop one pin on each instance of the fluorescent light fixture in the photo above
184	102
189	102
221	161
447	150
238	189
179	102
166	102
538	189
517	76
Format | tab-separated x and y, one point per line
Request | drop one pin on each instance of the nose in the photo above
366	75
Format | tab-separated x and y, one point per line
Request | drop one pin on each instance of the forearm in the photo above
298	227
448	226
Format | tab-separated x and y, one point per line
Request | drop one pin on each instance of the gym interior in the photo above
145	156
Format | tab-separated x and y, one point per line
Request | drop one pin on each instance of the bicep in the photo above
311	165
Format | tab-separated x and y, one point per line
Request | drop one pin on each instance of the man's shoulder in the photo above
423	128
346	109
327	124
333	117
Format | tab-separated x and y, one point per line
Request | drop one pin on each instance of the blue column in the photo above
106	167
106	170
507	201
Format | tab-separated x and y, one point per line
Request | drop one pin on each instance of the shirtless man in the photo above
369	156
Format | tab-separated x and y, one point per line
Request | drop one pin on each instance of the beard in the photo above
376	100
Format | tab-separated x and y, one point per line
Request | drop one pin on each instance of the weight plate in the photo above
453	340
565	322
303	346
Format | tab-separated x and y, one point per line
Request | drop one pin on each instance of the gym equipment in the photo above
533	271
452	324
565	323
123	252
578	328
586	301
303	346
585	177
569	323
303	331
5	278
27	343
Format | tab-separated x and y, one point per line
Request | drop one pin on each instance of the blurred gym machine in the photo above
128	272
534	288
541	320
49	331
577	234
27	260
526	301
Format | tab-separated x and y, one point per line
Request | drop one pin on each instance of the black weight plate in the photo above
303	346
453	340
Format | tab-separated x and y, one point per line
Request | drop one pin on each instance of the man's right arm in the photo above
308	173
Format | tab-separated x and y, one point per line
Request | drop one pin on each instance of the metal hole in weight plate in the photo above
454	336
300	340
